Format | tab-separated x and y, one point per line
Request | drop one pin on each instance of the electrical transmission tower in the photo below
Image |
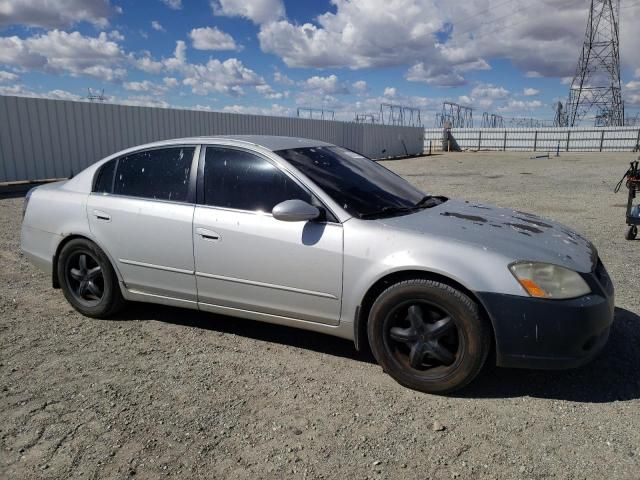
492	120
315	113
455	116
403	115
95	95
596	84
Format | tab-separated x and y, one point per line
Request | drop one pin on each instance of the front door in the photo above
143	217
246	260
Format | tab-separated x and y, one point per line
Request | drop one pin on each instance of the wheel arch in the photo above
362	312
55	281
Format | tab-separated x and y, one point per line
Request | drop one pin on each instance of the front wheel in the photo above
428	336
88	280
632	232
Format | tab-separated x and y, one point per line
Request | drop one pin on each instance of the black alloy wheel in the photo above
88	280
428	335
84	277
423	337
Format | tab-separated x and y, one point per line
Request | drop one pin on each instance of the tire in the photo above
88	280
428	336
632	232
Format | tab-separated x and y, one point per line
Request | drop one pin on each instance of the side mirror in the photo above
295	211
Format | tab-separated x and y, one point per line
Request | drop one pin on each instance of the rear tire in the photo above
428	336
88	280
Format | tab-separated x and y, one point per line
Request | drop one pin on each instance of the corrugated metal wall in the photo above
575	139
44	139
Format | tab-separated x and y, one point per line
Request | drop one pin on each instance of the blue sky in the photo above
511	57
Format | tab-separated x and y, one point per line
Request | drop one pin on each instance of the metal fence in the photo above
46	139
606	139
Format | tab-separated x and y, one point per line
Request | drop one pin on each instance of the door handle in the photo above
207	234
100	215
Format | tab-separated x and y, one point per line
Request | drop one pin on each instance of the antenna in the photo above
596	84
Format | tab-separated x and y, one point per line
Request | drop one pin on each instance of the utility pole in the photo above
596	84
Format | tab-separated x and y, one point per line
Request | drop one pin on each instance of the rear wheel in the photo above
88	280
428	336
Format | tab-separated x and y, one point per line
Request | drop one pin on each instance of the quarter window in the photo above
104	180
160	174
241	180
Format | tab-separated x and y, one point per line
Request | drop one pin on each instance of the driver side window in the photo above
244	181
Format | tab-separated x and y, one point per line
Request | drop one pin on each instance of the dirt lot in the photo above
165	392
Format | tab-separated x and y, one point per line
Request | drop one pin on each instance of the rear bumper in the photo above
38	247
549	334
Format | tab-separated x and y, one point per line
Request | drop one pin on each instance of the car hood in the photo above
514	234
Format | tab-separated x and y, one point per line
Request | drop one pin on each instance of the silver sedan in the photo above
310	235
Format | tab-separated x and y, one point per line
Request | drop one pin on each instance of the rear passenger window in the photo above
160	174
104	179
241	180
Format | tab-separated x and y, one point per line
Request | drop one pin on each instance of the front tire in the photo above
88	280
428	336
632	232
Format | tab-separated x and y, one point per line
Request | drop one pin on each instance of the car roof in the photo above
270	142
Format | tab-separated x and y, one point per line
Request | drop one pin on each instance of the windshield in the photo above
361	186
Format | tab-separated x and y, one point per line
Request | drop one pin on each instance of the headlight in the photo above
543	280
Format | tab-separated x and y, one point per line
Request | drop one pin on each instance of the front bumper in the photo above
552	334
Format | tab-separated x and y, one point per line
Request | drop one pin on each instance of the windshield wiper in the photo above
429	201
387	211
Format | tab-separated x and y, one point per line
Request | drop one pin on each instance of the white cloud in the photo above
8	76
228	77
273	110
489	91
146	63
62	52
530	92
173	4
157	26
116	36
258	11
208	38
145	86
144	101
360	86
171	82
280	77
441	41
269	93
22	91
520	106
55	13
390	92
329	85
438	75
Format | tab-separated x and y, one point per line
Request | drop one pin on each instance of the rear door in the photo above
246	260
141	212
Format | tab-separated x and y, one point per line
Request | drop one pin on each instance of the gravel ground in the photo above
166	392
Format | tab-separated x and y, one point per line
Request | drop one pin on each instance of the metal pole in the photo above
601	140
429	147
535	141
479	139
504	145
568	138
